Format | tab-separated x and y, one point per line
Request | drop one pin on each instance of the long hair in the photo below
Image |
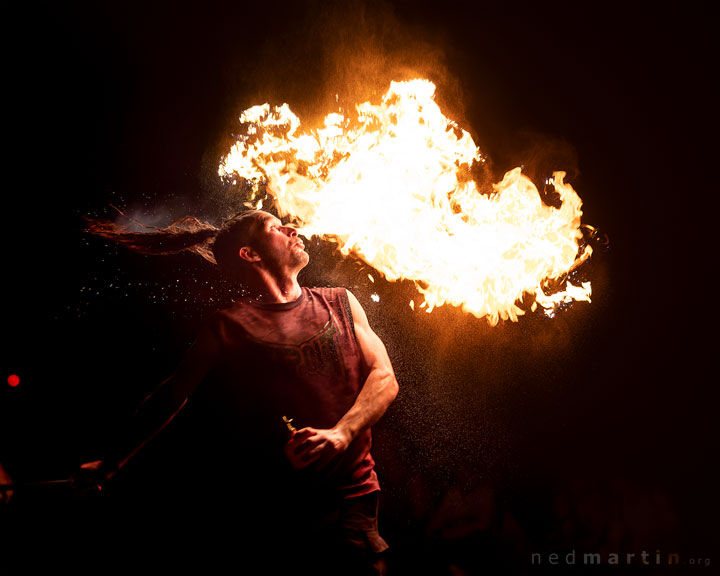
187	234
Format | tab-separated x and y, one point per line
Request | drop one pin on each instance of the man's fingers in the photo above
302	443
302	449
323	450
303	433
300	459
310	457
311	446
307	452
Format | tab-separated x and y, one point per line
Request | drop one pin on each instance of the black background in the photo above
592	431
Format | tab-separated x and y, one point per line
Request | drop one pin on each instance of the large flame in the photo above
393	187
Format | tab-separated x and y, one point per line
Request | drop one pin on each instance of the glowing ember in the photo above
393	188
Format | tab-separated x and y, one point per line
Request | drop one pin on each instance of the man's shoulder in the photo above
222	314
333	294
326	291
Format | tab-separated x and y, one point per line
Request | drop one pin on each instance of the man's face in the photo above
279	245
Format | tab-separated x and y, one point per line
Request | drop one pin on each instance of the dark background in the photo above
592	431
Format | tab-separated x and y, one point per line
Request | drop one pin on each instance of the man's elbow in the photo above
391	387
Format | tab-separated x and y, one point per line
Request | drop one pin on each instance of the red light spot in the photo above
13	380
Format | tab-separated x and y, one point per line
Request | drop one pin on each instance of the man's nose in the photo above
290	231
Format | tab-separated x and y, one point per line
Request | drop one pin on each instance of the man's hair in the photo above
217	245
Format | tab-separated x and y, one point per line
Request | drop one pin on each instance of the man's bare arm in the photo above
310	445
380	388
161	406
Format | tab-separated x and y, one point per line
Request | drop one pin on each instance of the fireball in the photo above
391	186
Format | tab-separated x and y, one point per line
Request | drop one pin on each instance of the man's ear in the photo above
248	254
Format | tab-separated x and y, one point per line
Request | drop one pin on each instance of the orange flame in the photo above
393	188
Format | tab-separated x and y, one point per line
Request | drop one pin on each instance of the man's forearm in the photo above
156	412
378	392
160	407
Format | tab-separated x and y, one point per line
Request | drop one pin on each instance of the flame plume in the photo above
393	188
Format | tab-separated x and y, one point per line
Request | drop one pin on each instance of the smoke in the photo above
541	154
342	53
365	48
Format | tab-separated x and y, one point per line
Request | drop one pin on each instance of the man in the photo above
300	378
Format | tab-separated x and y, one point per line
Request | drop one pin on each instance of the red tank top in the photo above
300	360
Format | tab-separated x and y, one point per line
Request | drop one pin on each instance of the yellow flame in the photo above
393	188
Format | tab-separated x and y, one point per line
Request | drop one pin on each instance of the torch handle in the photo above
16	486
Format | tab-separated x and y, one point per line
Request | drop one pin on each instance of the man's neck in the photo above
272	289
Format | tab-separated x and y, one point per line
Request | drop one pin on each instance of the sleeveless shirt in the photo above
300	360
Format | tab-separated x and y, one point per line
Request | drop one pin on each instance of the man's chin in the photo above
302	258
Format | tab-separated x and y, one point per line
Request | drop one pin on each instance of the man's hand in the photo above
313	446
91	477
